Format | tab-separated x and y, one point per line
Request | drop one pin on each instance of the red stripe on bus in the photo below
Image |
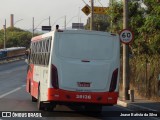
29	77
35	89
32	86
60	95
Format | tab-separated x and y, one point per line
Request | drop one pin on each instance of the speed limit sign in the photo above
126	36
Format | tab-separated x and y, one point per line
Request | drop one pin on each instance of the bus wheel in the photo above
34	99
40	104
93	108
50	108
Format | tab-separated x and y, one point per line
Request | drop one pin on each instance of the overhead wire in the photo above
99	2
84	2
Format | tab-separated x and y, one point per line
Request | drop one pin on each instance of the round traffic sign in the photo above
126	36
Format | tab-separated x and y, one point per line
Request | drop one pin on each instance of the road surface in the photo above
13	97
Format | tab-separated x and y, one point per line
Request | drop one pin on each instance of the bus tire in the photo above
93	108
49	108
40	104
34	99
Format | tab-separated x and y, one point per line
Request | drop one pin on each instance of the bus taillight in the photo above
113	80
54	77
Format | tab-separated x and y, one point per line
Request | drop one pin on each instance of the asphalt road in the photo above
13	97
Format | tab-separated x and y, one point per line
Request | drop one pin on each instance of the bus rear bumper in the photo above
104	98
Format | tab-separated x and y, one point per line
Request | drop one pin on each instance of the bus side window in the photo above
40	51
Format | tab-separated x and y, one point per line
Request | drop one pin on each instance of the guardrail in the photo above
13	58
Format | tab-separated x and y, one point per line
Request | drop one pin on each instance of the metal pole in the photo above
49	21
4	27
92	13
33	27
125	54
65	22
111	3
131	93
79	22
79	18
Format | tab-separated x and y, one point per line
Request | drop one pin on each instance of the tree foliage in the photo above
115	17
15	37
100	23
144	21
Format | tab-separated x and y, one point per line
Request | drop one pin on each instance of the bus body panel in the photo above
75	74
72	68
104	98
40	76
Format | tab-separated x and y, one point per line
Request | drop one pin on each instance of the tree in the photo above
151	27
143	21
15	37
100	22
115	16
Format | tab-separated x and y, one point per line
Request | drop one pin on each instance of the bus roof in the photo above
37	38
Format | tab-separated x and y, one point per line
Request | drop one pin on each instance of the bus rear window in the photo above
83	46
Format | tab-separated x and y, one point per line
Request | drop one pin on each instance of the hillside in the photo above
15	37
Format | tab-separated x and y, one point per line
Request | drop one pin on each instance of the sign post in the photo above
125	75
126	36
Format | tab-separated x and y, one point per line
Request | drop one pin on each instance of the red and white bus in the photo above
74	66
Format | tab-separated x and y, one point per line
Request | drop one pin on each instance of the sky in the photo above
25	10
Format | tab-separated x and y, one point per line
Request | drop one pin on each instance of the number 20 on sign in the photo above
126	36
